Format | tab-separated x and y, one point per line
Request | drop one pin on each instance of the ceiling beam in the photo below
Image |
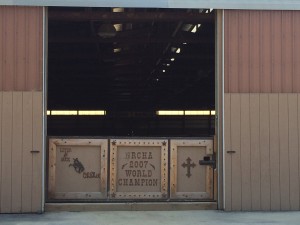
123	69
131	16
128	56
132	40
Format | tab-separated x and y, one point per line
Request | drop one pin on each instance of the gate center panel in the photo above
139	169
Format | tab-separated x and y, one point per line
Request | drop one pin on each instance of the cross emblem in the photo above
188	165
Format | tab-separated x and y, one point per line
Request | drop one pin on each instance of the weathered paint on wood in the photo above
262	51
269	151
21	36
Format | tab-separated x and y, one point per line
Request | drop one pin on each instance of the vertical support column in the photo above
219	93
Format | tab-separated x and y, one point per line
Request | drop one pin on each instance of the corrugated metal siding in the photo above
264	131
20	169
262	51
21	36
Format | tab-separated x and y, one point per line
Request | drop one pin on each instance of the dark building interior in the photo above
131	63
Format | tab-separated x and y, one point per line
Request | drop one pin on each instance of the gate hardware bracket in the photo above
231	151
208	162
35	151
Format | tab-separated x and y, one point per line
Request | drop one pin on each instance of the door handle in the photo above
231	151
35	151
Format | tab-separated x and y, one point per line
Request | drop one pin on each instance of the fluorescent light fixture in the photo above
197	113
194	30
76	112
116	50
169	113
213	112
178	50
167	64
91	112
199	25
172	59
184	43
186	112
63	112
118	10
118	27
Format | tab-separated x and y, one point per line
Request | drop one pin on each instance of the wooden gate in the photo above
138	169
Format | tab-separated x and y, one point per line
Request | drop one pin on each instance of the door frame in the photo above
219	105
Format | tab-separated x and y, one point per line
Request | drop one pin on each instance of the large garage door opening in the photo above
131	105
131	72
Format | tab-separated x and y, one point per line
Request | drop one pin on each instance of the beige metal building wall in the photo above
262	110
21	109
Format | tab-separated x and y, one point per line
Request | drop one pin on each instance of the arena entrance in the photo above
131	105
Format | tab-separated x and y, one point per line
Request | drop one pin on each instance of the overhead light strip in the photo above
197	113
159	112
185	112
63	112
169	113
76	112
91	113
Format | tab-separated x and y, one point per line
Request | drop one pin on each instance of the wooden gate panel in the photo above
77	168
138	169
189	179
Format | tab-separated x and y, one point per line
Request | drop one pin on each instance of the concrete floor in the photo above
153	218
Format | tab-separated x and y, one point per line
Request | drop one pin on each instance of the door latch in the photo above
35	151
208	161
